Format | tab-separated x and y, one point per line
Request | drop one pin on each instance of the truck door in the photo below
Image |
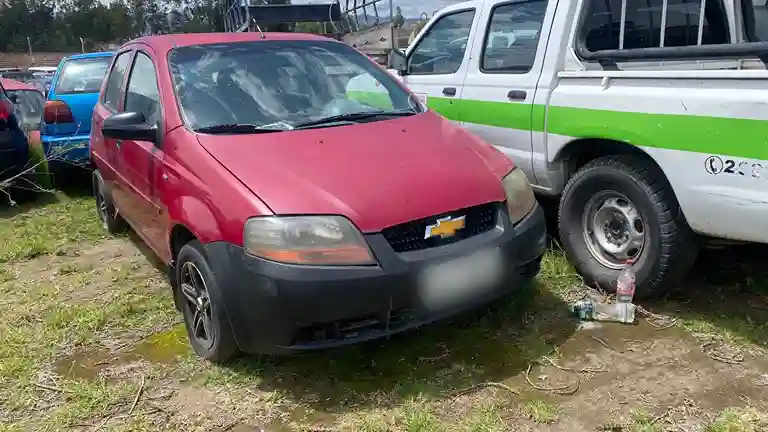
437	61
502	75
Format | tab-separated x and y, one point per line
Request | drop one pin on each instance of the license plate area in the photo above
449	283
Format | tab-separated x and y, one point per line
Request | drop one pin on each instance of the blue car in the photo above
66	125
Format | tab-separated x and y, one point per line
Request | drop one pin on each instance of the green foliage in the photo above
59	25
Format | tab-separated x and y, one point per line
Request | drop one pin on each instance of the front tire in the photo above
208	328
617	208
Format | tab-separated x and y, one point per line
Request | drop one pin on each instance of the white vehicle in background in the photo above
45	70
648	120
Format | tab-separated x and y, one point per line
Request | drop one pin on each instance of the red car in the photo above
293	216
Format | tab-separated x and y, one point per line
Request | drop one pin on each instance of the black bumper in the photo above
14	153
278	308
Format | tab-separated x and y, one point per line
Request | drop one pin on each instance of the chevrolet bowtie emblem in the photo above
445	227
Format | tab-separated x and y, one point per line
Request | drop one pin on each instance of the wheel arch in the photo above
580	151
179	235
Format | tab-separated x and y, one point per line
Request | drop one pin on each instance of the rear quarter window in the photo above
28	108
82	75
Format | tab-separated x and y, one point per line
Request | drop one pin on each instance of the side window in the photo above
684	26
755	14
512	37
441	50
115	81
142	94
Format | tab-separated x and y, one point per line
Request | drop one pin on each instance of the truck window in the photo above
441	50
684	26
755	14
512	37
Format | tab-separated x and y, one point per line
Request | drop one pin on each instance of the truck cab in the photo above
646	120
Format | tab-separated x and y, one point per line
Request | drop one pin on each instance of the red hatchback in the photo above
295	211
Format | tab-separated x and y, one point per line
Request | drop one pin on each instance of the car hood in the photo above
377	174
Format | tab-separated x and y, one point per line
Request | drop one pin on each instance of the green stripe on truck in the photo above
738	137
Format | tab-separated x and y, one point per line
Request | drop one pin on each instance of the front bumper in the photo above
70	148
276	308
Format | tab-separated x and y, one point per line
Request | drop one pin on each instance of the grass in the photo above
87	319
739	420
541	411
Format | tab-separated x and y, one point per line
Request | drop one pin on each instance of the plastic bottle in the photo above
625	291
589	310
625	284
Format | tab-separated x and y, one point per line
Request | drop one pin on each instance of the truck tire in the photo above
619	207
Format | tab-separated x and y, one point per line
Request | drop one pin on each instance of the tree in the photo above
398	19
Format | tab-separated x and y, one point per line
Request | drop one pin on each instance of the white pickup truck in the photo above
649	119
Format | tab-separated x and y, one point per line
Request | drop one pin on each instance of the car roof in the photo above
98	54
164	43
9	85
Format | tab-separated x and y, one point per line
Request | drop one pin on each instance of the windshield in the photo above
280	84
28	108
82	75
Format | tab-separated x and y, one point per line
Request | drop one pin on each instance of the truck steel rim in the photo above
613	229
198	303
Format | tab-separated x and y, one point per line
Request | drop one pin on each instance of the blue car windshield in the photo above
82	75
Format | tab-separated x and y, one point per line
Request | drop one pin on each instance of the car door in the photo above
141	161
104	149
437	61
497	99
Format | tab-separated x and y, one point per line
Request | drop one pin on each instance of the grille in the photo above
353	328
409	236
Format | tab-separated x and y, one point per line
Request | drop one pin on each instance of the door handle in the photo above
118	142
449	91
517	95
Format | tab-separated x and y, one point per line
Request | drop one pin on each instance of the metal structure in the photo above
245	15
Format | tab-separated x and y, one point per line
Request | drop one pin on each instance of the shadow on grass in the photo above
490	344
76	184
725	293
25	203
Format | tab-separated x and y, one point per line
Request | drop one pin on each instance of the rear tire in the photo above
207	325
634	209
112	222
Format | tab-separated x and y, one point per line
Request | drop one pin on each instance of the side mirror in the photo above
398	61
129	126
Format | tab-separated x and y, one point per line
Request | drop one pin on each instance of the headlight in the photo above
317	240
520	198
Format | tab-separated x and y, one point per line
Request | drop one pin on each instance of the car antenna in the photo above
258	28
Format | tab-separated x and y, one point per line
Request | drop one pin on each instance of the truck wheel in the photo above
617	208
112	222
207	326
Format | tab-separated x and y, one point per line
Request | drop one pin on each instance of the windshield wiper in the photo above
236	128
352	117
